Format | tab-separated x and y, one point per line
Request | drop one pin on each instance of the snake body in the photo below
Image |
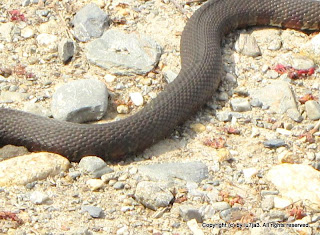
200	75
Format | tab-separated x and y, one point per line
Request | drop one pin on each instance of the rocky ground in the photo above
247	163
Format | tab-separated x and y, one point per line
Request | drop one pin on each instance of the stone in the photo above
32	167
80	101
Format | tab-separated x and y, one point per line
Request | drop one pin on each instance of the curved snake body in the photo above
200	75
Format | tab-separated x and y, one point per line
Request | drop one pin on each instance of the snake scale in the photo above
196	83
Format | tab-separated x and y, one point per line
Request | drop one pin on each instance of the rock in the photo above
297	182
256	103
207	212
95	184
170	76
190	171
249	173
137	98
189	213
9	96
247	45
193	226
38	198
223	96
274	143
267	203
282	203
94	211
90	22
80	101
48	41
118	185
66	50
33	167
124	54
278	96
10	151
123	230
122	109
27	32
5	31
153	195
231	214
240	105
224	116
109	78
94	166
220	206
198	127
313	109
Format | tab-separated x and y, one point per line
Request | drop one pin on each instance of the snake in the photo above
196	83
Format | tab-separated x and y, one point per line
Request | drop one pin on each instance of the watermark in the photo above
254	225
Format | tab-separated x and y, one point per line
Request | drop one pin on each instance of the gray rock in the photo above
66	50
256	103
190	171
94	211
207	212
273	216
274	143
118	185
294	114
189	213
124	54
170	76
247	45
9	151
80	101
224	116
313	109
269	192
25	3
223	96
90	22
240	105
95	166
74	174
153	195
278	96
38	197
231	214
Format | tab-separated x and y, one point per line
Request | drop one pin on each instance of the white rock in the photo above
95	184
109	78
49	41
27	32
248	173
297	182
28	168
137	98
281	203
38	197
193	226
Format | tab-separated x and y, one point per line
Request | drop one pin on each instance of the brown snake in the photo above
196	83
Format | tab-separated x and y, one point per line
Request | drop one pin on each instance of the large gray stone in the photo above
190	171
124	54
89	22
80	101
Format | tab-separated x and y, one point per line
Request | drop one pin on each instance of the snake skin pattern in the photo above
196	83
